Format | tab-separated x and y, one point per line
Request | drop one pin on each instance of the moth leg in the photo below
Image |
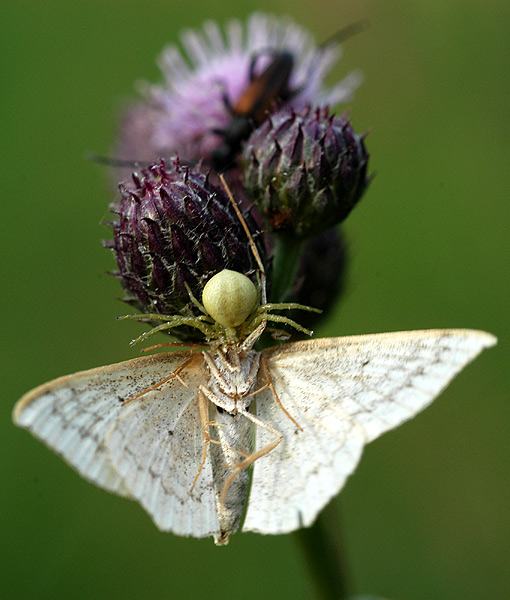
269	384
175	375
249	342
255	455
244	454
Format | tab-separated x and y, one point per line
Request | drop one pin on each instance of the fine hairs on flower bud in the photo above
175	230
305	171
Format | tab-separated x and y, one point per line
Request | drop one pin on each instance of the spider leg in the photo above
175	375
255	455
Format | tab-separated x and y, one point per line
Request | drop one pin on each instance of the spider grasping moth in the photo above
177	431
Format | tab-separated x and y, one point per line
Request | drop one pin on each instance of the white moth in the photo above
177	431
300	412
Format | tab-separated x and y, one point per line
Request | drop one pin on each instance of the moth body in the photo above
234	434
233	383
233	375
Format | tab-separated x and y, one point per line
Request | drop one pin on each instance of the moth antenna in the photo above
249	236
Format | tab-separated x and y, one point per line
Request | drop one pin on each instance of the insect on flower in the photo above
251	108
218	84
177	431
264	91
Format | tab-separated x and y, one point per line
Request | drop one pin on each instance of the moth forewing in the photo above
142	449
343	392
72	414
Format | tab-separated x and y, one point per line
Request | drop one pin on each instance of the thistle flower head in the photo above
188	112
305	171
174	232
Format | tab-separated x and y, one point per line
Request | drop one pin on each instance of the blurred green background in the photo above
427	514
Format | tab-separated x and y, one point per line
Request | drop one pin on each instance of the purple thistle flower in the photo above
175	231
186	113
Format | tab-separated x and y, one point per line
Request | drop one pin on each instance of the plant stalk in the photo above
320	545
286	255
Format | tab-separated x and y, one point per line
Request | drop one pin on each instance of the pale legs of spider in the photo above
249	460
174	375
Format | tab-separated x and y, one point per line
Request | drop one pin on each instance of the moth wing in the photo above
344	393
80	416
72	414
156	447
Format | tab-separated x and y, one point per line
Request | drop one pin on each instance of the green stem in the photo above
286	255
321	548
320	543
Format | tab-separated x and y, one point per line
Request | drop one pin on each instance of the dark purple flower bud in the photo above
175	231
320	276
305	171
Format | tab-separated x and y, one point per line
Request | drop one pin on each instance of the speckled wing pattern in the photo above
344	393
148	449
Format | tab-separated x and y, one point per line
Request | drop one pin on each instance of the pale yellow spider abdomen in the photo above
229	297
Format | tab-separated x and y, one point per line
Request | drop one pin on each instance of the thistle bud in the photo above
321	276
305	171
175	231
